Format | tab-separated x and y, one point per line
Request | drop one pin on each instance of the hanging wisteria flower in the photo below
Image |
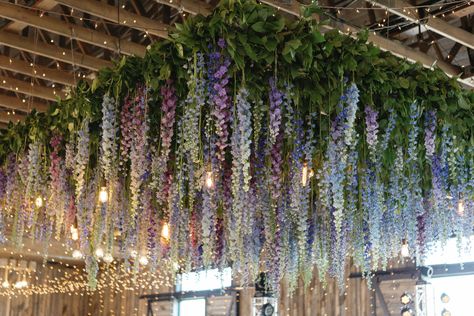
168	111
245	131
276	99
109	135
372	127
138	153
430	136
81	159
57	203
126	127
221	103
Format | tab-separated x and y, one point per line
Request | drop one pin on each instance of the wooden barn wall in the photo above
304	302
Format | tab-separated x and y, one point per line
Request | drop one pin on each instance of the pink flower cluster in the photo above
168	108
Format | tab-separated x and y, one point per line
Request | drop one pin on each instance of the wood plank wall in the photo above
304	302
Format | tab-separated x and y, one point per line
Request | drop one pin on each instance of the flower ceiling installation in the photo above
251	141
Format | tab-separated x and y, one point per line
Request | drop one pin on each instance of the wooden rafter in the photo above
35	90
25	68
50	24
430	23
53	51
190	6
15	103
119	16
6	118
18	26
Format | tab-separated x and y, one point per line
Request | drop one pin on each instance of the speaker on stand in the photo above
264	303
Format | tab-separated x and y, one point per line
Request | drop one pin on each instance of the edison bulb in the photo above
103	195
5	284
304	175
108	258
165	231
209	181
77	254
99	252
143	260
461	208
39	202
74	233
405	252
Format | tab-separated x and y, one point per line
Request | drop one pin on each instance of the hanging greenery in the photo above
253	141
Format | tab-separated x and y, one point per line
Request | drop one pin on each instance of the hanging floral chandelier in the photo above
273	148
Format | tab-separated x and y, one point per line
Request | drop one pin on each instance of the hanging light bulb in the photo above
304	175
99	252
209	181
77	254
133	253
108	258
405	252
39	202
143	260
103	195
165	231
74	233
461	207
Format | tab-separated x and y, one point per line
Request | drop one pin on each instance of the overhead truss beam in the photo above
50	24
118	15
53	52
436	25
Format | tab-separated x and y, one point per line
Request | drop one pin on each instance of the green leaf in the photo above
259	27
404	83
318	37
56	112
463	104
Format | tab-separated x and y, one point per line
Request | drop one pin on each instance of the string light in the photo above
77	254
99	252
143	260
108	258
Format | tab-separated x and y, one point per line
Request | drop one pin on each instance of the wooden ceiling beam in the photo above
15	103
119	16
25	68
18	26
190	6
6	117
21	86
429	23
53	52
50	24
